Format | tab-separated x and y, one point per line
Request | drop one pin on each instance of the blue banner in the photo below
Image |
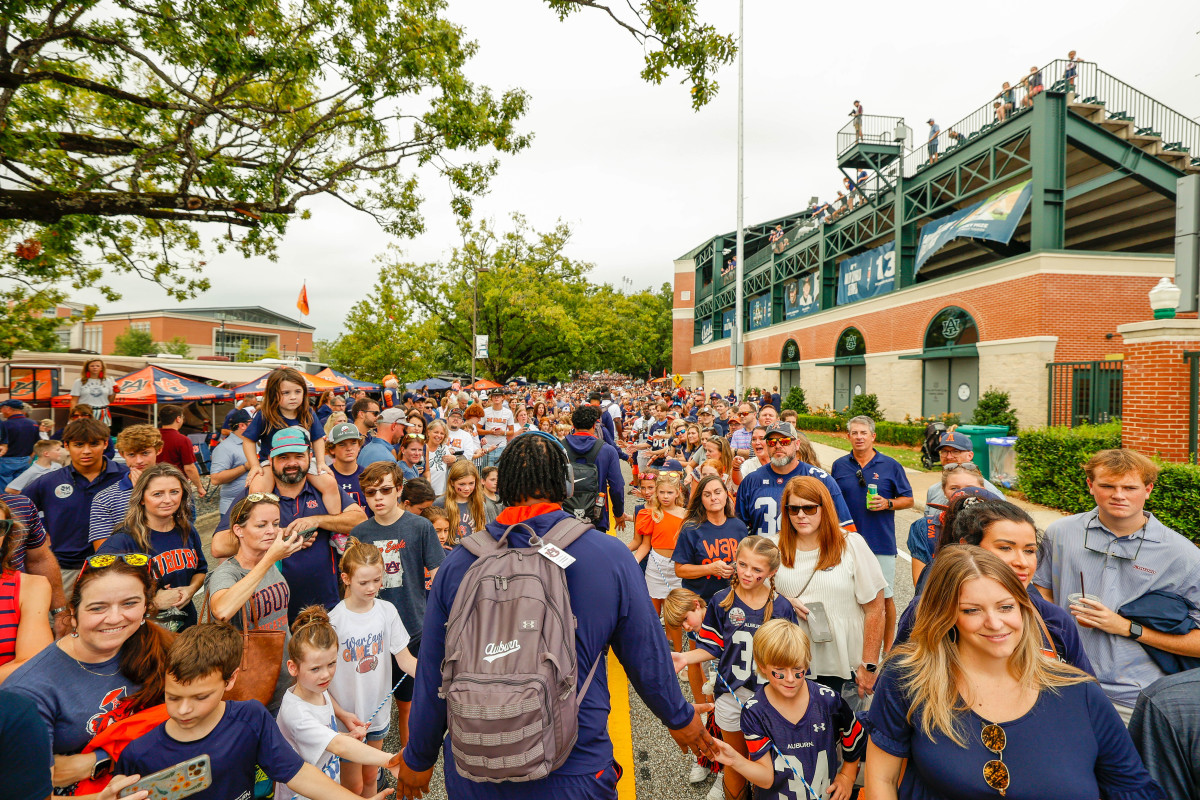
801	296
706	331
867	274
760	311
995	219
727	319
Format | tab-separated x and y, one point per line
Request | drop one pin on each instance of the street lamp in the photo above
475	319
1164	299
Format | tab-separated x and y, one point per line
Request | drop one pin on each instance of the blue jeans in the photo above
11	467
492	459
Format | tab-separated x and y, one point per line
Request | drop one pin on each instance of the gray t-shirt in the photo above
409	546
1166	731
229	454
267	609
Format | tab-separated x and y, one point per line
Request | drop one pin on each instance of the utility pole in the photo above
738	351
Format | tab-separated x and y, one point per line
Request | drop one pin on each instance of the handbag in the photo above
262	655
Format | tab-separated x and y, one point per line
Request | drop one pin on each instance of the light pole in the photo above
738	353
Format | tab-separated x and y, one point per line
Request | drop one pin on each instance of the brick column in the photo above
682	314
1155	398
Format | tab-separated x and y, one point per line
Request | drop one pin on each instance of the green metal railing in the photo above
1084	392
1192	359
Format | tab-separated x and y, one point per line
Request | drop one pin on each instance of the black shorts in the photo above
404	692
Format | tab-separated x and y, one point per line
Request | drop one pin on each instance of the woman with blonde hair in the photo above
978	711
832	574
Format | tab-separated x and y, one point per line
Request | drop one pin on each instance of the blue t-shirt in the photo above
258	431
74	703
761	493
375	449
1070	746
728	634
877	527
175	561
812	748
246	738
407	471
19	716
920	539
705	543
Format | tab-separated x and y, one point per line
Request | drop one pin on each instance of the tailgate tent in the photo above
316	385
154	385
350	383
429	384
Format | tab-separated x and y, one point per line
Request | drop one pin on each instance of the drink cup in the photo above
1074	597
872	490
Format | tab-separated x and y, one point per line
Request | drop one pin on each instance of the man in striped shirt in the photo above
139	446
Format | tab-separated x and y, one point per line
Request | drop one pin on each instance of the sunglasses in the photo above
796	674
258	497
861	480
108	559
969	466
995	772
381	490
6	525
780	441
794	508
420	436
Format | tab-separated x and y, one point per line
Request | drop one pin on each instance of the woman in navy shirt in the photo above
979	712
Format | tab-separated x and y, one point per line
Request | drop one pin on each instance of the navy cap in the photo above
956	441
13	404
968	491
238	416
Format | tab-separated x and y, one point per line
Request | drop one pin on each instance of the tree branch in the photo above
45	206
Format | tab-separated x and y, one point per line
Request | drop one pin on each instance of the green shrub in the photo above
865	405
796	401
885	432
994	409
1176	497
1050	463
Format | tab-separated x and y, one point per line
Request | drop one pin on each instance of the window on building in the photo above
229	342
143	327
93	338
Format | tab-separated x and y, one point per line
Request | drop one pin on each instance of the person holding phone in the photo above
836	585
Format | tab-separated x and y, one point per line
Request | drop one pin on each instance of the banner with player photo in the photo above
995	219
867	274
802	296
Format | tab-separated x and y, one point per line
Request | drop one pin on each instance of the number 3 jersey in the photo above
807	750
728	634
760	498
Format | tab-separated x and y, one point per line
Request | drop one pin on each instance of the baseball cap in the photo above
454	412
343	432
237	417
671	465
289	440
14	403
593	396
782	428
956	441
706	410
967	491
391	415
497	393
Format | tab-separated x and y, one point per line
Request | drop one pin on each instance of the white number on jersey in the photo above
770	517
795	771
745	640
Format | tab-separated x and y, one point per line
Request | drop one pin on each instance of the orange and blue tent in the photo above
153	385
316	385
345	380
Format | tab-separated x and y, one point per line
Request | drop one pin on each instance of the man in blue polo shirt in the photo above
875	516
64	496
22	434
311	573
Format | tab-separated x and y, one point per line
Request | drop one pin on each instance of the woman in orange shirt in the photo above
658	525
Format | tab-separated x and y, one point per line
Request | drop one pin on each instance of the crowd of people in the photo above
437	573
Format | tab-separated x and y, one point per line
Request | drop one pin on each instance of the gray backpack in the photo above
510	672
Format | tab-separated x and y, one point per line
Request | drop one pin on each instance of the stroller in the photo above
929	447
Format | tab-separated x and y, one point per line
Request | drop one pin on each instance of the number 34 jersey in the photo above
728	634
807	751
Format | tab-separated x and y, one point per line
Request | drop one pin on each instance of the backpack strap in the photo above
564	533
481	543
591	455
591	674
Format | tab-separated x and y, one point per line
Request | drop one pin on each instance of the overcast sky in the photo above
642	179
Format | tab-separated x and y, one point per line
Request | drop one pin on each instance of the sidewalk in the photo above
921	481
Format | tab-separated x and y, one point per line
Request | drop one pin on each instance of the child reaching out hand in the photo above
794	728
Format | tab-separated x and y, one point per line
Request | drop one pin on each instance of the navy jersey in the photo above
728	634
809	749
760	498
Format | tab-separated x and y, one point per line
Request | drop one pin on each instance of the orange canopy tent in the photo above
345	380
152	385
483	383
316	385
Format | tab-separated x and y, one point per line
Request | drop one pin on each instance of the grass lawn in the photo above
908	457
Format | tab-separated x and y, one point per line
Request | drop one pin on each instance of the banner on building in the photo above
867	274
760	311
727	319
801	296
481	346
995	219
706	331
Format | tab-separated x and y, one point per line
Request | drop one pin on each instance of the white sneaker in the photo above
717	790
698	774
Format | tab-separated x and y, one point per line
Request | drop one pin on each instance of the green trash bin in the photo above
978	435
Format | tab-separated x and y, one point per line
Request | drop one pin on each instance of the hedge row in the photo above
885	432
1050	469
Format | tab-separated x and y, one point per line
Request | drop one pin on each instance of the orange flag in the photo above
302	301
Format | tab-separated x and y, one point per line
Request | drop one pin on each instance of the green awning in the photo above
844	361
954	351
785	365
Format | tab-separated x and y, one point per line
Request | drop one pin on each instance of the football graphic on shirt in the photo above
368	664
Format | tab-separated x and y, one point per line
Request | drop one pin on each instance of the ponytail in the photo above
311	631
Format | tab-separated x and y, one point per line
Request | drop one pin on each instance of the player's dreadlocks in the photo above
532	467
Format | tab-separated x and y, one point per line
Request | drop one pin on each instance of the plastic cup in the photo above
1074	598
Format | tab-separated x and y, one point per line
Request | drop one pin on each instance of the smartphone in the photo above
173	783
308	534
818	622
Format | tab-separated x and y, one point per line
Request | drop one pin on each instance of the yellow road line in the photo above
620	729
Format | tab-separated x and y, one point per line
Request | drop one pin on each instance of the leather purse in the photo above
262	655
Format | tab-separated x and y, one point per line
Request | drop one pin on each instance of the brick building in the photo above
1025	243
208	331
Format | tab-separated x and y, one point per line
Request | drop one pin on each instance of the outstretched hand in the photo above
694	737
409	784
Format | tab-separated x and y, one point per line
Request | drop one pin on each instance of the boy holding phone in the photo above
238	737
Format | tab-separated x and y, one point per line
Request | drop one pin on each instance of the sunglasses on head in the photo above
108	559
969	466
380	490
995	772
796	674
795	508
420	436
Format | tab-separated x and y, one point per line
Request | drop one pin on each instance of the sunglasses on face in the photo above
995	772
780	441
380	490
795	508
795	674
108	559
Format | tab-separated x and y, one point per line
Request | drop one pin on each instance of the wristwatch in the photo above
1135	631
870	667
889	504
54	612
102	766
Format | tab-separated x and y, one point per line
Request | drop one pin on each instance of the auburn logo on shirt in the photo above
311	504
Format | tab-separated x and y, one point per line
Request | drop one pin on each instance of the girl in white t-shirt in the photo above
369	633
308	715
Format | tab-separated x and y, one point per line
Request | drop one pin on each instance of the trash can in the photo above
978	434
1002	458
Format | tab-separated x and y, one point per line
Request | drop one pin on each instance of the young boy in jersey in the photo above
202	665
795	728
